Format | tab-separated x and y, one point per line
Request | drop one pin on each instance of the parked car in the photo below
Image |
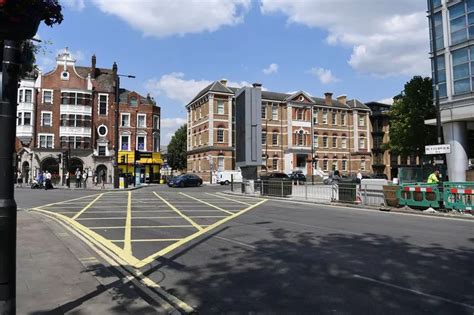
278	175
185	180
225	177
297	177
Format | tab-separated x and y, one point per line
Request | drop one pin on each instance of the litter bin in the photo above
347	192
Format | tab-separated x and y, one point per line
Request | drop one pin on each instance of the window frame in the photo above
144	136
144	120
50	113
100	102
46	135
121	119
220	133
43	96
128	143
220	107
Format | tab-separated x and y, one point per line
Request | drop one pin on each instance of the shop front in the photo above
140	167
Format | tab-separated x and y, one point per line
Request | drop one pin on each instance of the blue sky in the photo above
366	49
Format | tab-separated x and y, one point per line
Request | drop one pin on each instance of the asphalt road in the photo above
279	257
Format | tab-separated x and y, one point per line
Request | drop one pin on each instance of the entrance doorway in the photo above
101	169
25	171
51	165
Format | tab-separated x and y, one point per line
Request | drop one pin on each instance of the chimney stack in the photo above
223	82
257	85
342	99
93	70
328	98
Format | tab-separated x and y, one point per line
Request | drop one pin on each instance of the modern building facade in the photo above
299	132
70	111
453	37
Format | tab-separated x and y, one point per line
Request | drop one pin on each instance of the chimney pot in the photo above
93	70
328	98
342	99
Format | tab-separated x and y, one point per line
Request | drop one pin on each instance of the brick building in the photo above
297	129
71	108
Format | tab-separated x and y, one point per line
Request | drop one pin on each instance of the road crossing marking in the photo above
238	201
197	226
87	207
150	240
127	247
206	203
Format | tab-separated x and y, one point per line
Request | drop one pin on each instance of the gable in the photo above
300	97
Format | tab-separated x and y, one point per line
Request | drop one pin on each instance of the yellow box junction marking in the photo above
197	226
87	207
222	197
207	203
127	247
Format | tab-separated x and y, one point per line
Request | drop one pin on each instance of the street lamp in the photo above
116	122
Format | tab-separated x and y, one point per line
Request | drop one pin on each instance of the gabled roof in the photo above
356	104
104	77
294	95
216	86
124	93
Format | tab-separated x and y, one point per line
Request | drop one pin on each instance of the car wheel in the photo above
227	182
181	185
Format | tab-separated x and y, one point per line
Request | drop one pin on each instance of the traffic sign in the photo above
438	149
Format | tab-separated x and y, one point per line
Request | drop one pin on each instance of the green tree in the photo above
408	132
177	149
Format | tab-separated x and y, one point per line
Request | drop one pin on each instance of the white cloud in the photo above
175	87
386	37
272	68
325	76
172	122
170	17
77	5
388	101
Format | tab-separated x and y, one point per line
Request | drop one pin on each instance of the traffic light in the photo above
66	158
59	158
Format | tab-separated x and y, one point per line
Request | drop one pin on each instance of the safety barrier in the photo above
419	195
459	196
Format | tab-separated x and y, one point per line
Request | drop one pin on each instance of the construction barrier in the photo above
420	195
459	196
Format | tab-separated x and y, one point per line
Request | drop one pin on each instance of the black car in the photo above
186	180
278	175
297	177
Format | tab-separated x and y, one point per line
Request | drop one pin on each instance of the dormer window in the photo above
133	101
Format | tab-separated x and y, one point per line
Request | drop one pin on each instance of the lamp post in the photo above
116	121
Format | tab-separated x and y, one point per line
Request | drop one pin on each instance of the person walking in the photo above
19	179
434	177
68	181
78	178
102	179
48	184
84	177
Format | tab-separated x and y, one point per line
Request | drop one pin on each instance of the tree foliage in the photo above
408	132
177	149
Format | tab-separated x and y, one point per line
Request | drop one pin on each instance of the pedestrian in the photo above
19	179
95	179
40	179
78	178
68	181
48	184
84	177
359	177
102	179
434	177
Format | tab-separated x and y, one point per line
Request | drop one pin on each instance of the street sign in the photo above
438	149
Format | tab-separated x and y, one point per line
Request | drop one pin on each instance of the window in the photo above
264	138
141	121
334	141
343	119
275	112
125	120
325	165
20	95
461	19
141	143
334	164
102	150
441	75
220	163
28	96
133	101
156	122
24	119
362	165
264	112
75	142
315	140
315	116
344	165
362	143
264	161
361	120
300	137
156	142
299	114
45	141
463	61
125	143
76	98
334	118
47	96
325	141
220	135
220	107
301	160
344	142
275	163
74	120
325	117
436	3
102	130
275	138
438	21
199	137
46	118
19	118
103	100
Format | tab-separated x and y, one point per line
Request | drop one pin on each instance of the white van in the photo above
224	177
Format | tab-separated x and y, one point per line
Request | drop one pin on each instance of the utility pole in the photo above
8	208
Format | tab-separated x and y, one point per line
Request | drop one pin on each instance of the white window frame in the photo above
343	119
274	112
315	116
218	130
334	118
21	92
144	141
121	120
325	145
325	118
362	142
334	165
106	130
264	138
344	165
121	143
362	165
46	135
325	164
361	122
220	109
98	149
300	114
156	126
344	142
106	104
274	137
43	96
275	163
19	119
220	163
315	140
156	144
144	120
334	143
42	117
264	112
24	95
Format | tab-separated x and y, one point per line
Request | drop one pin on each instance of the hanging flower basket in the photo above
20	19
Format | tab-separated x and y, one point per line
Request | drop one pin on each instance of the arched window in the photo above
300	137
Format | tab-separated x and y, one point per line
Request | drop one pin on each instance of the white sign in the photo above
438	149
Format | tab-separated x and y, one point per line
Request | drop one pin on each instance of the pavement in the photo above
161	250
